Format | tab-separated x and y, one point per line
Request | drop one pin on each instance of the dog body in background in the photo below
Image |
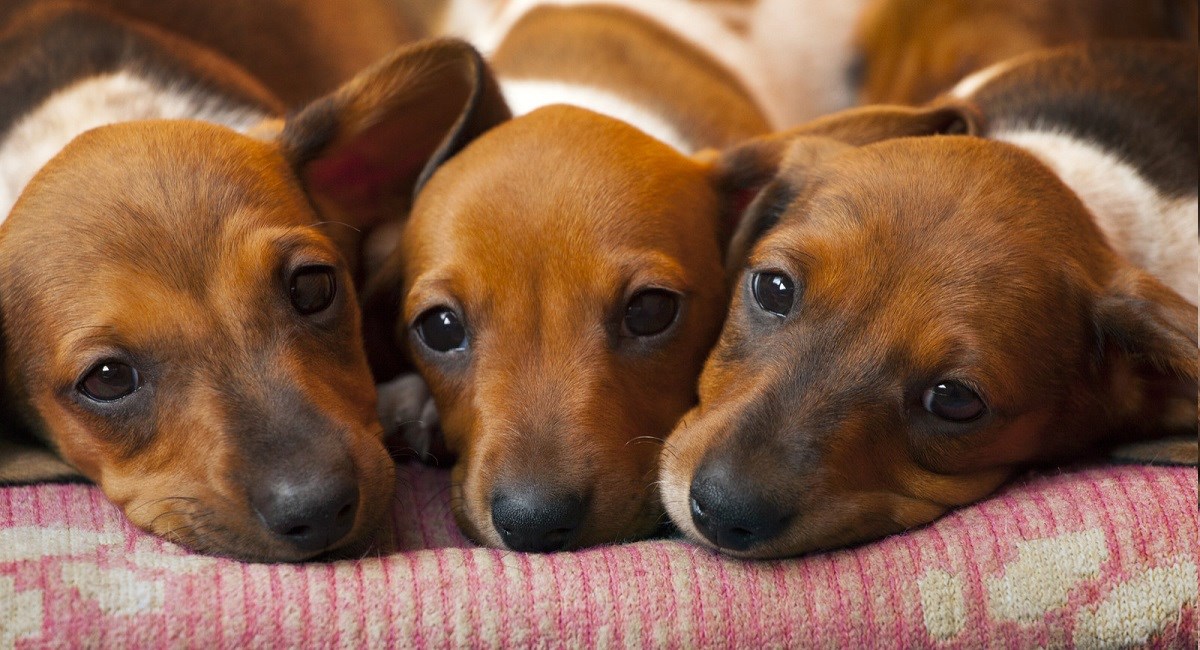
805	48
922	317
299	50
180	323
910	51
560	281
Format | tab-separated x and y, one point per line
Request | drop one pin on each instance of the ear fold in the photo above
1150	324
1148	331
363	150
862	126
763	178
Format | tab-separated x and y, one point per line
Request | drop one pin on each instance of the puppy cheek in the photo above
472	479
376	484
684	450
626	503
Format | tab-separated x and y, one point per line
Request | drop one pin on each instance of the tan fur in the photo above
298	49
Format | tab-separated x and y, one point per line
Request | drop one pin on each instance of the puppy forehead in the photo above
169	197
891	242
569	171
953	204
181	176
560	189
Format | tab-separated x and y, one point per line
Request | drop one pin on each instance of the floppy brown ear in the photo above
862	126
763	179
1148	332
22	459
23	462
363	151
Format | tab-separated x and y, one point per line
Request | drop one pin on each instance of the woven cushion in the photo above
1094	557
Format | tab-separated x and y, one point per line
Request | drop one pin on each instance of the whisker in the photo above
337	223
670	449
154	501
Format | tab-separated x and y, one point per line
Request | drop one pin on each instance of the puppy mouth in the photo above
354	524
202	529
526	523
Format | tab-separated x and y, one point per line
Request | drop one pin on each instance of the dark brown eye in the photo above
109	381
441	330
774	292
953	401
312	289
651	312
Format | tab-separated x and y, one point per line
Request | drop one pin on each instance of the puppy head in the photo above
918	318
562	284
183	330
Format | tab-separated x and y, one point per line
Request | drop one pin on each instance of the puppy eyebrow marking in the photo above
292	241
653	268
72	341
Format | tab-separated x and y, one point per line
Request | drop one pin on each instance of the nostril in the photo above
298	531
529	519
728	511
311	514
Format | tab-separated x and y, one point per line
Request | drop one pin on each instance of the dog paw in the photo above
410	420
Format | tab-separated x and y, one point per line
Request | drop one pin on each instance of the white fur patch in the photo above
526	95
701	27
805	47
94	102
1154	232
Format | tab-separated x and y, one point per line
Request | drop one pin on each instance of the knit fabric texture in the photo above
1093	557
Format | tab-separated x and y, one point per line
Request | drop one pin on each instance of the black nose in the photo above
309	513
537	521
729	513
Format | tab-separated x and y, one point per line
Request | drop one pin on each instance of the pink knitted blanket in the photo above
1096	557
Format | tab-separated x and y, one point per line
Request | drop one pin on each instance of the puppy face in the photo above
563	283
188	338
184	331
911	329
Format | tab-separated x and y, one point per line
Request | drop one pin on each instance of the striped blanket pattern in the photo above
1093	557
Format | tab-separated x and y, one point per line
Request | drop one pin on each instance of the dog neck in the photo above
66	73
107	99
1126	154
1155	231
596	56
